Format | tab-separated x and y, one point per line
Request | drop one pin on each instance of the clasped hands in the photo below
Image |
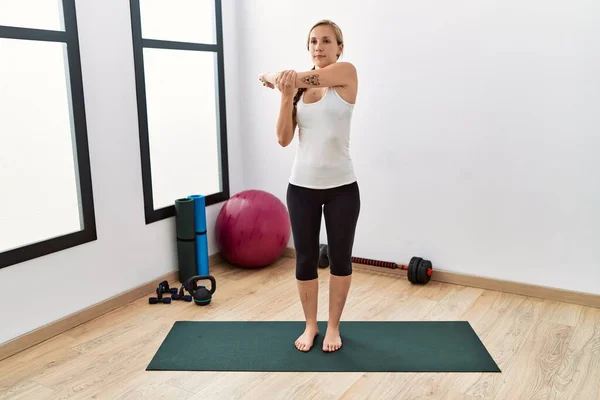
285	81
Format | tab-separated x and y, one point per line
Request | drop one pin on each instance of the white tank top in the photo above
323	154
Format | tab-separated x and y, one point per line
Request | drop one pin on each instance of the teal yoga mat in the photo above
202	267
368	346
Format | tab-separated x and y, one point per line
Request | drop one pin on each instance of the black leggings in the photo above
341	207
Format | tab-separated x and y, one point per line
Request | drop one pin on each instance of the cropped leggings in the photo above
341	208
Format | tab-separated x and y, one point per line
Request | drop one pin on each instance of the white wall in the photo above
475	135
43	290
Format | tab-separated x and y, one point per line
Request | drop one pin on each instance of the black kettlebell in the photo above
202	296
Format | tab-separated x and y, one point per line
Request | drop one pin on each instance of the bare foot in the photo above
306	340
333	340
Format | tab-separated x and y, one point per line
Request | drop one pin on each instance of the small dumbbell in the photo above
181	295
159	297
164	300
164	288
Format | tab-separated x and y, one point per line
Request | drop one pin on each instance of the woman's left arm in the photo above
336	74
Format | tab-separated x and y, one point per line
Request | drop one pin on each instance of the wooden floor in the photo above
546	349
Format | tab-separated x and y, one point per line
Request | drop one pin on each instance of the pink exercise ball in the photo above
252	229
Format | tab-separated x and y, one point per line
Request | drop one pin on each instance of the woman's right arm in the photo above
285	122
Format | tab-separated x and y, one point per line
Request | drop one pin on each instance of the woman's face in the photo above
323	46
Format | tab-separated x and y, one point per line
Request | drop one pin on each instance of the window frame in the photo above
70	37
139	44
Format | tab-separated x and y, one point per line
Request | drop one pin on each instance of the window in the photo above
178	53
46	202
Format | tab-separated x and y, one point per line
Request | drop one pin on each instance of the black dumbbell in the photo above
159	297
164	288
181	295
164	300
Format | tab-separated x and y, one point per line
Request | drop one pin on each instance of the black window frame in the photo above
139	43
88	234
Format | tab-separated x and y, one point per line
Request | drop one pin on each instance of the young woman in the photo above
320	102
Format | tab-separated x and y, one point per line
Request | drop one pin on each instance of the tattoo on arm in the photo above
311	80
